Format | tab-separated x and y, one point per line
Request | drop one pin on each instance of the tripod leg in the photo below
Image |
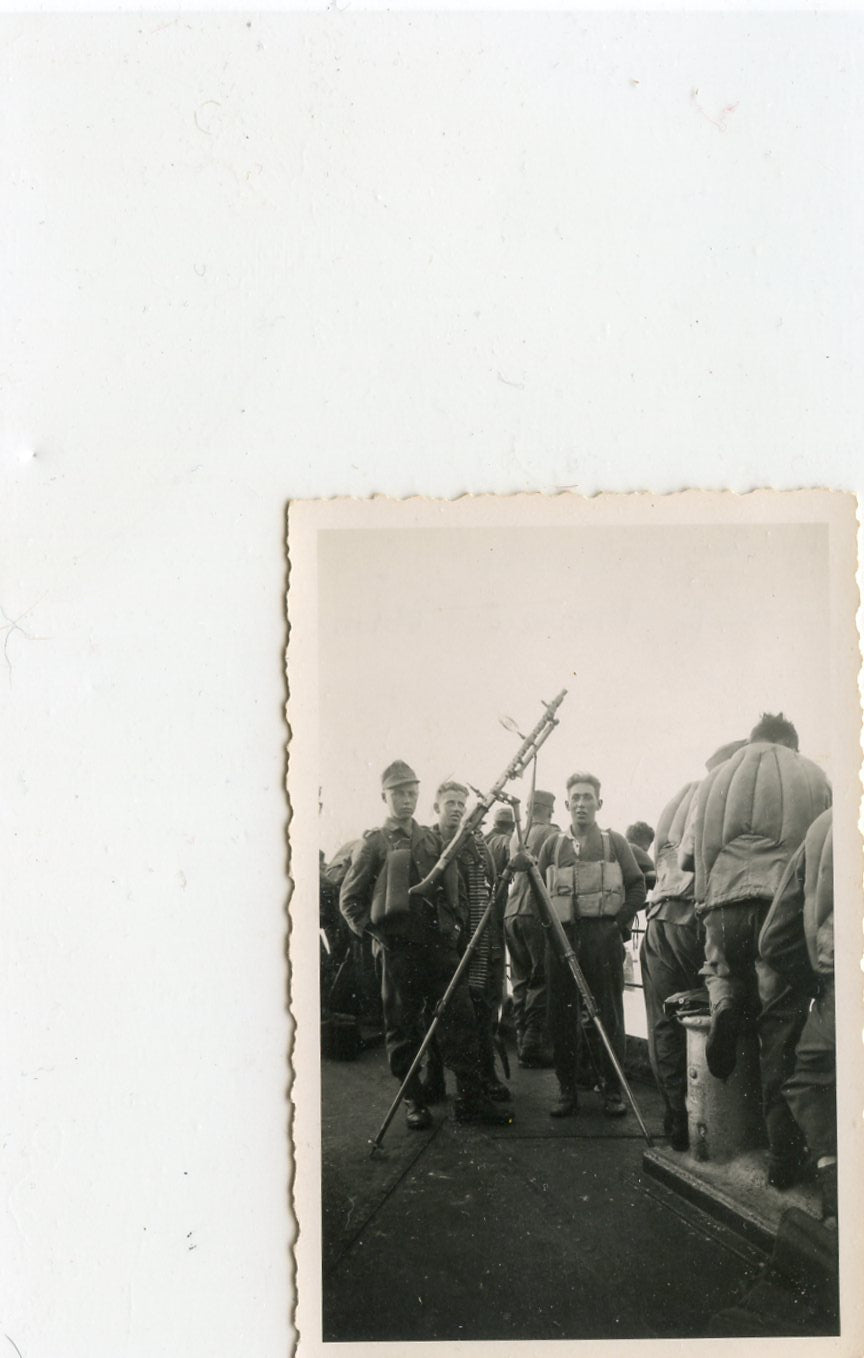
563	946
622	1078
375	1142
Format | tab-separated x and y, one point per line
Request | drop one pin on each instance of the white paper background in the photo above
253	257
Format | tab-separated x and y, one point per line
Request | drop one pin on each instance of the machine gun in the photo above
471	822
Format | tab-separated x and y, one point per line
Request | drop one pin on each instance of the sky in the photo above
670	641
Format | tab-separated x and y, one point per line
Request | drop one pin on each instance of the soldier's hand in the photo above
521	860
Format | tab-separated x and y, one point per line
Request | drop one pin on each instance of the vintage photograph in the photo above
578	780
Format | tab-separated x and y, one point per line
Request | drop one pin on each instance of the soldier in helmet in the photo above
418	941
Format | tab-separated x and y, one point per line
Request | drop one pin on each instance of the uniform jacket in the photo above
748	817
797	938
365	887
645	864
819	894
672	898
498	843
521	898
634	882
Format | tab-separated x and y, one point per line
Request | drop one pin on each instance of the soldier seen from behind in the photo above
752	813
499	837
640	837
797	940
526	944
418	942
670	957
596	888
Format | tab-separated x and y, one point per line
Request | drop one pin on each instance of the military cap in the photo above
504	816
398	773
543	801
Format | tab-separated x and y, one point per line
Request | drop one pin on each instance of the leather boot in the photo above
613	1104
497	1091
567	1105
722	1046
417	1116
477	1108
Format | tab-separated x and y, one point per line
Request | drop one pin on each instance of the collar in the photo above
392	826
577	845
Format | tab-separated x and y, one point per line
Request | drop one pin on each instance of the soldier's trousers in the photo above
811	1091
526	944
414	977
670	958
600	952
736	975
485	1013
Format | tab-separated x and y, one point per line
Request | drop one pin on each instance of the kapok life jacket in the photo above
672	897
582	889
752	813
819	894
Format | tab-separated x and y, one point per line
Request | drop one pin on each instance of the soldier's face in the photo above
584	804
450	807
401	800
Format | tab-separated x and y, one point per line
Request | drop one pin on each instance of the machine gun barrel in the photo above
526	752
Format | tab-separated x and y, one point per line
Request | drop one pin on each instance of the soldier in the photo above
751	814
486	968
670	958
526	944
499	837
797	940
672	953
640	837
597	888
417	940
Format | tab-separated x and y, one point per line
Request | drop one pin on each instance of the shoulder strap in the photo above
559	845
376	839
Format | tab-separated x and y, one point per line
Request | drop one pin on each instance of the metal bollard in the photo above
724	1117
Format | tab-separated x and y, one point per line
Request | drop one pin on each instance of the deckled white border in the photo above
305	520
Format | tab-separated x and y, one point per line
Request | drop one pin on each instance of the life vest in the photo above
675	886
819	894
752	814
582	889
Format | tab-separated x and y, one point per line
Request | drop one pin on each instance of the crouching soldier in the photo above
417	940
797	940
597	889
